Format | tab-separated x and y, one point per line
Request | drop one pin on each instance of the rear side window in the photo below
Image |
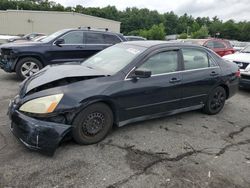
111	39
163	62
218	44
94	38
195	59
74	37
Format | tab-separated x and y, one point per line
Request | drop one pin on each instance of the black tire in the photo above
26	61
215	101
92	124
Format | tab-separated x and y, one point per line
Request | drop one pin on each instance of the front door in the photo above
157	94
71	50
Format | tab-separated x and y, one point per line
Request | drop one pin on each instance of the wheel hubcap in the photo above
29	68
217	101
93	123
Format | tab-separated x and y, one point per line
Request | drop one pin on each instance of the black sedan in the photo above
125	83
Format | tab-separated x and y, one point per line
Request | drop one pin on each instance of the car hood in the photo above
241	57
54	73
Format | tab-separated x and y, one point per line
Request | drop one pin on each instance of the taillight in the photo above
237	73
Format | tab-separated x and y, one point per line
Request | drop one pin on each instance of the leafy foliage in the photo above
146	22
156	32
183	36
201	33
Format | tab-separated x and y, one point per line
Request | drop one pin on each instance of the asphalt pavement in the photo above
185	150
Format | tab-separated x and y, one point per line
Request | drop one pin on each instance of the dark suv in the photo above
66	45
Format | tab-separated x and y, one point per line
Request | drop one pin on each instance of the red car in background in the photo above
220	46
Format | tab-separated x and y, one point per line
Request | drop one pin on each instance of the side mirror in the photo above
142	73
58	42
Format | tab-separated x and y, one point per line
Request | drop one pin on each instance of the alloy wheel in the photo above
29	68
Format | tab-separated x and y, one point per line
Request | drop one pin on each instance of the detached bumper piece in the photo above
36	134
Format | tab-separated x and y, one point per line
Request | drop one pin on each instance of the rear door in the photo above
71	50
94	42
200	75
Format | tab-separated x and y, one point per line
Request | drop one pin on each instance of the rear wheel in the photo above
92	124
28	66
216	101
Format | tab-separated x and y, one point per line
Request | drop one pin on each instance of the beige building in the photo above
15	22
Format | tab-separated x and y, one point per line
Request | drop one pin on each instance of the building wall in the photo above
14	22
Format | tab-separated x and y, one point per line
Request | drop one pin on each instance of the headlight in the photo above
42	105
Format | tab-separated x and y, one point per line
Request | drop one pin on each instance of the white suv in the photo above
242	58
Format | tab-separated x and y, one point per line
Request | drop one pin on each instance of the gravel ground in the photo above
186	150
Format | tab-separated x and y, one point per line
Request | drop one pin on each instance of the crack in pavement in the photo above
232	134
158	158
225	148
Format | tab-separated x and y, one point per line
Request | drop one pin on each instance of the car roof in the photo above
101	30
152	43
131	36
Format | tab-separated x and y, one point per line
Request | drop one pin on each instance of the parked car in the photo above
36	39
242	59
27	37
63	46
40	38
238	45
4	38
128	82
134	38
220	46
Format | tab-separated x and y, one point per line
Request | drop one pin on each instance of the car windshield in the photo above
114	58
53	36
246	49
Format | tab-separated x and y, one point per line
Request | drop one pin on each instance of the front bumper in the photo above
6	65
35	134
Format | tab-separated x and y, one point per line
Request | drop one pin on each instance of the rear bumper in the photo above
36	134
233	89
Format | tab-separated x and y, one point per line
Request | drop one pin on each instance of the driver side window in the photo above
163	62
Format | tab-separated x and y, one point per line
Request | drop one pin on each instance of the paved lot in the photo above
186	150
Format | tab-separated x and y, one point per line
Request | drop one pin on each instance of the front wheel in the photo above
28	66
216	101
92	124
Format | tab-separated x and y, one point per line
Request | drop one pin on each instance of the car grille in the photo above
243	76
242	65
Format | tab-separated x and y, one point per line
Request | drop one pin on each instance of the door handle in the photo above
174	80
214	73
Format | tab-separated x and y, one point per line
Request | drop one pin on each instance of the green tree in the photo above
230	30
156	32
183	36
170	21
201	33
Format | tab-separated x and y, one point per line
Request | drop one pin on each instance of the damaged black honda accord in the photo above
128	82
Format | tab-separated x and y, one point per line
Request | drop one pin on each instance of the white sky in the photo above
238	10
